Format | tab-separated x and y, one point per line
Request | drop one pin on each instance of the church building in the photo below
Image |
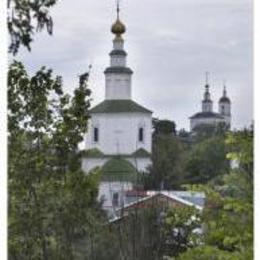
207	116
119	138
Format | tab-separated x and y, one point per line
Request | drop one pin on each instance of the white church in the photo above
119	138
207	116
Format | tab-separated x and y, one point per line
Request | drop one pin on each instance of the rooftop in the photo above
207	115
119	106
224	100
118	169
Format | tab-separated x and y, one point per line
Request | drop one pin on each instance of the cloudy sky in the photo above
170	45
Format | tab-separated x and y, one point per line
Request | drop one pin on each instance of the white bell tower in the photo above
118	75
207	104
224	106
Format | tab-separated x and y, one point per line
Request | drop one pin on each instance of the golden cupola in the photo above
118	27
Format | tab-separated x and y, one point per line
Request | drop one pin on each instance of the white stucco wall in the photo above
210	121
118	44
118	86
118	60
207	106
227	120
118	132
224	108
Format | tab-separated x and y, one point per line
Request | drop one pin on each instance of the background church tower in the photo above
207	104
224	106
207	116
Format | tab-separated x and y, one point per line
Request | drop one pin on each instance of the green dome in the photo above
118	169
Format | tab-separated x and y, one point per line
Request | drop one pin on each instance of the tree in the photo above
206	160
51	202
181	230
183	133
164	127
204	131
166	171
228	215
167	156
25	18
213	253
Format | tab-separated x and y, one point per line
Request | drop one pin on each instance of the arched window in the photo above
222	109
96	134
141	134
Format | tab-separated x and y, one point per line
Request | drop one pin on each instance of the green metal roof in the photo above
119	106
118	69
118	169
96	153
141	153
224	100
118	52
207	115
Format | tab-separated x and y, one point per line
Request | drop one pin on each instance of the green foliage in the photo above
212	253
51	202
183	133
25	18
206	160
240	144
167	157
94	152
180	230
228	215
229	226
187	159
164	127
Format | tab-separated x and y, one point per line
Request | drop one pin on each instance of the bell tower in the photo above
207	104
118	76
224	106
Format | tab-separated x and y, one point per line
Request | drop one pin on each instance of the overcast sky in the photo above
170	45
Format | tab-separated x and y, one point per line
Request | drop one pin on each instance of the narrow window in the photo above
141	134
96	134
223	109
115	200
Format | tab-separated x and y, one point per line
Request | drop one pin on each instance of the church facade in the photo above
119	137
207	116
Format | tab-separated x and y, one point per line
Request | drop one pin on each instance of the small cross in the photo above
117	9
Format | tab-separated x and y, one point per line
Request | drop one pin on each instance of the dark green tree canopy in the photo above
206	160
164	127
25	18
52	203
